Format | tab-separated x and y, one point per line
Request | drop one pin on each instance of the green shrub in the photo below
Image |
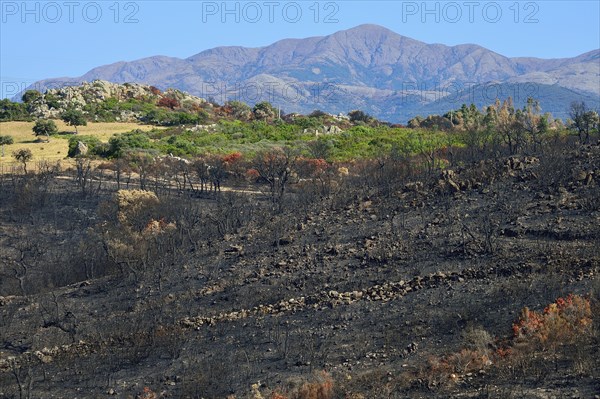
178	145
52	100
6	140
44	127
122	143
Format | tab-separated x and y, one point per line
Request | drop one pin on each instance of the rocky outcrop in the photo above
55	101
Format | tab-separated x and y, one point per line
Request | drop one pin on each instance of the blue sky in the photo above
44	39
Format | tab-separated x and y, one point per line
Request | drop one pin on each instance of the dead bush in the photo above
320	387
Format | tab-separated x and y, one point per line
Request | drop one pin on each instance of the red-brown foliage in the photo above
155	90
232	158
560	322
167	102
310	167
147	393
321	388
252	174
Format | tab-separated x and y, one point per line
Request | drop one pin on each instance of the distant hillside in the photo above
367	67
556	99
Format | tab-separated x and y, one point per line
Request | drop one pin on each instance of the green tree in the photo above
506	119
74	117
359	116
264	111
23	155
530	121
5	140
583	120
239	110
320	149
471	118
471	122
52	100
593	120
317	113
10	111
31	96
436	122
185	118
44	127
415	122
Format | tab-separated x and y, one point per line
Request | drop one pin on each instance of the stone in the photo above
412	347
234	249
581	175
46	359
81	149
283	241
453	186
331	129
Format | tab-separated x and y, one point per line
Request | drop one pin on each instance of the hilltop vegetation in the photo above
103	101
192	127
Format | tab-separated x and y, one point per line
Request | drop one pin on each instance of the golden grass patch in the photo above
57	148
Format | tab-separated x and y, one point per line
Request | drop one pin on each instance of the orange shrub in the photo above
147	393
252	174
310	167
321	388
503	352
232	158
561	322
445	370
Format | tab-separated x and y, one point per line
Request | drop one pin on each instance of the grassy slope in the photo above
57	148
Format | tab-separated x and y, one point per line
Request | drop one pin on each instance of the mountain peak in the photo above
370	28
366	67
371	31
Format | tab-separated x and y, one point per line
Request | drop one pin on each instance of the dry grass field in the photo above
57	148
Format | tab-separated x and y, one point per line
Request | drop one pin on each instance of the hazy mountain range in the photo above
367	67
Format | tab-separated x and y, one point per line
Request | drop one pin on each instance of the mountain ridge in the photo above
366	56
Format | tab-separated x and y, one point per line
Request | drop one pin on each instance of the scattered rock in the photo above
235	248
81	149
